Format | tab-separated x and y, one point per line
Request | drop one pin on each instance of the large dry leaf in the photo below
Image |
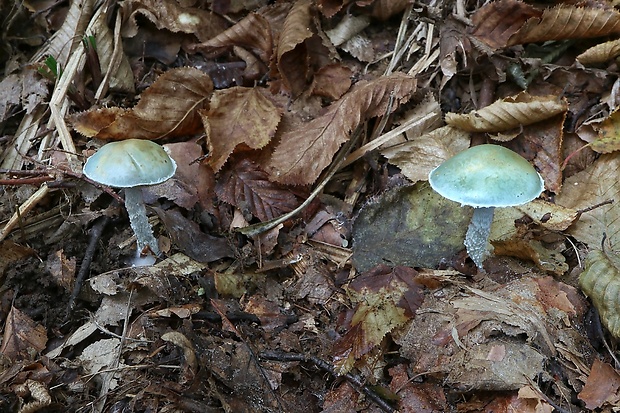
253	32
237	116
608	134
385	299
170	15
508	113
568	22
496	21
597	184
600	53
601	282
292	58
168	108
303	154
602	385
21	336
418	157
245	186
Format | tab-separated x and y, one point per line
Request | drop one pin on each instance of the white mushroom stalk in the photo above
486	177
133	164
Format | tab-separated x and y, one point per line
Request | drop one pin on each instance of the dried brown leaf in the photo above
600	53
303	154
21	336
597	184
238	116
244	185
496	21
602	384
292	55
418	157
601	282
386	298
168	108
170	15
568	21
331	81
253	32
508	113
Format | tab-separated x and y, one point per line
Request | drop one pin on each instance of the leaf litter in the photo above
315	124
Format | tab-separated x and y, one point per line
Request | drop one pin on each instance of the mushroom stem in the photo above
477	238
134	203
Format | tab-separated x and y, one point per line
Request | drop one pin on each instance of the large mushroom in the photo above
132	164
486	177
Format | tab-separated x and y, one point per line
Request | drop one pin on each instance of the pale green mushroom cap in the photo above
487	176
130	163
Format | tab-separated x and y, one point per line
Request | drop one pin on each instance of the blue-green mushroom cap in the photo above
487	176
130	163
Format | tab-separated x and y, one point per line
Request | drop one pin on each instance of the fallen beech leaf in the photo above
244	185
608	134
418	157
496	21
168	108
170	15
303	154
385	299
238	115
21	336
253	32
601	282
331	81
602	384
597	184
600	53
568	21
292	58
508	113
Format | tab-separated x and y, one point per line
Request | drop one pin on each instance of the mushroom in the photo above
486	177
132	164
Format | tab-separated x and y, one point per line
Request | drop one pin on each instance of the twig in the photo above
355	380
95	234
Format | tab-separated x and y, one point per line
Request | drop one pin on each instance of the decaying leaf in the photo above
508	113
22	336
601	282
236	116
418	157
253	32
568	21
303	154
168	108
246	186
597	184
600	53
385	299
608	134
496	21
602	386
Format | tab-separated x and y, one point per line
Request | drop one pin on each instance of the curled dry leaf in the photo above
170	15
168	108
244	185
418	157
238	115
601	282
292	59
253	32
568	22
496	21
303	154
21	336
600	53
511	112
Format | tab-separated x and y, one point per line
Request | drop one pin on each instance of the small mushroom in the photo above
486	177
132	164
